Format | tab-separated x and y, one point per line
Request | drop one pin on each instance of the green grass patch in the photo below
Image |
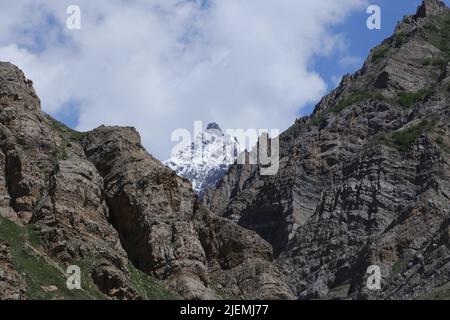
67	135
403	139
437	31
86	266
356	97
408	99
65	130
398	267
148	287
430	27
318	121
435	62
37	270
379	54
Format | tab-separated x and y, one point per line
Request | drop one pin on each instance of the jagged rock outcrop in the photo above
50	183
430	8
98	200
166	231
365	179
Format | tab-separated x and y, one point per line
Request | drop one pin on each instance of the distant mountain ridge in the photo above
206	166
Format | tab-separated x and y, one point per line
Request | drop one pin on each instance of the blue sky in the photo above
160	65
362	40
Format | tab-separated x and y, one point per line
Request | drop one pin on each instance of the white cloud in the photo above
161	64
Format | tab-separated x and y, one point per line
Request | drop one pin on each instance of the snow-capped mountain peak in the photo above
207	159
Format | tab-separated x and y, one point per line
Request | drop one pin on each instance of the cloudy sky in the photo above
160	65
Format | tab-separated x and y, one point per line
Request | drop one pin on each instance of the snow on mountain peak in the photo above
207	159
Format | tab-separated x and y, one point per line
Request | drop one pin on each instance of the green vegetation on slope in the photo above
440	141
379	54
403	139
148	287
355	97
317	121
400	38
67	135
64	130
437	31
37	270
408	99
435	62
398	267
61	151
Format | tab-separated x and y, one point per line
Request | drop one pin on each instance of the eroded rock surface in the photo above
365	180
168	233
99	199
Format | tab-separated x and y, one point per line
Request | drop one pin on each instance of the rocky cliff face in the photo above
365	180
11	283
168	233
99	200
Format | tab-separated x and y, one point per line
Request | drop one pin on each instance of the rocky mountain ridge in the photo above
99	201
364	180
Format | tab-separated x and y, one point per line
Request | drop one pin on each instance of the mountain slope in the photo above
204	167
365	180
168	234
98	200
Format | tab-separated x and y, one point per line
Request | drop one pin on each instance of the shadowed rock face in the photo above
167	233
100	199
365	180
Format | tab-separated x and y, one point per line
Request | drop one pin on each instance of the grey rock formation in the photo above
98	200
365	180
167	233
430	8
50	182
